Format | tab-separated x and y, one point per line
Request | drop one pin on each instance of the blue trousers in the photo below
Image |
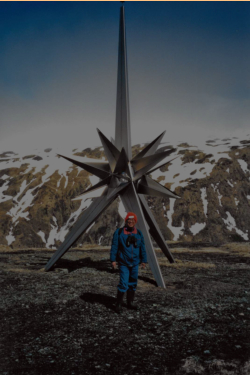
128	277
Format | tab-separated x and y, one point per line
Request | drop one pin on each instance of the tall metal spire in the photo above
126	178
122	124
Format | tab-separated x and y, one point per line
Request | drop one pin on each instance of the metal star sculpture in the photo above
124	176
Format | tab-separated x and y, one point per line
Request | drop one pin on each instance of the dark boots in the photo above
130	300
118	306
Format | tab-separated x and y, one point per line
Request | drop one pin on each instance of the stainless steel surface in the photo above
99	184
98	169
143	165
122	124
151	148
148	186
160	166
110	150
154	229
122	163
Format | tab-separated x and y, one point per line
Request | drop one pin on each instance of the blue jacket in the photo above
128	255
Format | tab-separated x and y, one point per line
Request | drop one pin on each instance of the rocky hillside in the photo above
213	180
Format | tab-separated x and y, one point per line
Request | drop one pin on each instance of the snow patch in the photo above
242	234
229	183
218	193
204	196
66	180
22	188
42	235
197	227
175	230
231	224
4	198
243	165
55	221
219	197
10	238
58	182
53	234
19	210
4	177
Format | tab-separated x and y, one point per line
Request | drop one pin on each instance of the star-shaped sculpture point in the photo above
119	172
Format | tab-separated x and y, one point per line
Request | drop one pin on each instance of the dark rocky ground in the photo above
63	321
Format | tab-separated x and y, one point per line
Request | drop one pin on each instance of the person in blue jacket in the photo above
128	250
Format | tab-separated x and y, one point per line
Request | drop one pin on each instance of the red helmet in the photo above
131	215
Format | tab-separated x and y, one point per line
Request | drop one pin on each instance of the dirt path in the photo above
63	322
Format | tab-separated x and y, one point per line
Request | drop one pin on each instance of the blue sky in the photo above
188	65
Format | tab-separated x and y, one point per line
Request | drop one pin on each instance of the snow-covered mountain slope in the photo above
213	180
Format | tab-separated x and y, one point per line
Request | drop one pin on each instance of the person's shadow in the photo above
107	301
